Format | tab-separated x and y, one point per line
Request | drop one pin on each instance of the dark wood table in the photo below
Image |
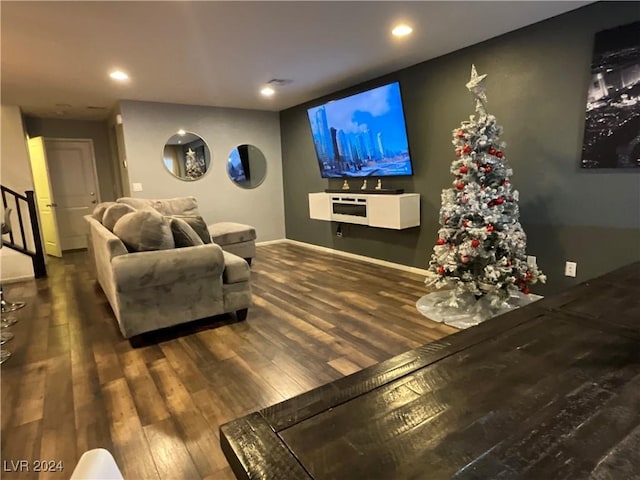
549	391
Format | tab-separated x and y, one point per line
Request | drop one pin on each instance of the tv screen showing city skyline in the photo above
363	135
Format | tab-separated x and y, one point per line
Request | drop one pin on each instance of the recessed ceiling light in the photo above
267	91
181	132
401	30
119	75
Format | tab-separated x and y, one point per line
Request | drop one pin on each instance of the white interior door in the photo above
44	197
73	178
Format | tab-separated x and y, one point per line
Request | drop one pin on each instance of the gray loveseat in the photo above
149	290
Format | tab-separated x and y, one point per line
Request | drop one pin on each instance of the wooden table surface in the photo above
551	390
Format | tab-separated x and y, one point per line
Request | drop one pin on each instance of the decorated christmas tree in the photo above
481	246
192	165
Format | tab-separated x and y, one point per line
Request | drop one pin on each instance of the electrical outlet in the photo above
570	269
531	261
339	231
136	187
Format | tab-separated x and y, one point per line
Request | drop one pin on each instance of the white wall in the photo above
147	126
15	173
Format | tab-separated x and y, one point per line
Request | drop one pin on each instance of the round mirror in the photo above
186	156
247	166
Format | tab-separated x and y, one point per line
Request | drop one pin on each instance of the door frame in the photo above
94	168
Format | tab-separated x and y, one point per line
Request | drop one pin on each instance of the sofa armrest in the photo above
236	269
162	267
104	242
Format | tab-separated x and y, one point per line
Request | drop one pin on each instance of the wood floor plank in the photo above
315	318
31	391
169	452
149	404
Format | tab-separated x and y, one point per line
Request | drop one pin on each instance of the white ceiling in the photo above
56	55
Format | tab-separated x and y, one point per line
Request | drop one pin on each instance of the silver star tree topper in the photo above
478	90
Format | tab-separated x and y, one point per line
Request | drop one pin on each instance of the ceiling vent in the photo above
279	82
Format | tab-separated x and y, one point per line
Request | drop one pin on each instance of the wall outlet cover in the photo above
136	187
570	269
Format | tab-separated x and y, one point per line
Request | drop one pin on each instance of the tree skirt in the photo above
439	307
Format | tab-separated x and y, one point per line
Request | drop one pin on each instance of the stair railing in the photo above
35	251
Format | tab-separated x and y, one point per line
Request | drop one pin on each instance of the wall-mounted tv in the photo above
363	135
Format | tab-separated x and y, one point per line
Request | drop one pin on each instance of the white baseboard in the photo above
17	279
271	242
331	251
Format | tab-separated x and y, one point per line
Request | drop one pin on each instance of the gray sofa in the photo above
149	290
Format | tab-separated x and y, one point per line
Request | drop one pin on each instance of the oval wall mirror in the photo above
186	156
247	166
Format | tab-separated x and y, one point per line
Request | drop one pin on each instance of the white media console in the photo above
395	211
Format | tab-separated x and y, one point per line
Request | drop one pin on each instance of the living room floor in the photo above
73	383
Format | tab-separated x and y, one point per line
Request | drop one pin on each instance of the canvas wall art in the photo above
612	127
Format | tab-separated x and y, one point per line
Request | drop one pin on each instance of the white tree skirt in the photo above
436	306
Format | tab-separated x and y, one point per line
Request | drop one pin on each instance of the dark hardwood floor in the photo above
73	383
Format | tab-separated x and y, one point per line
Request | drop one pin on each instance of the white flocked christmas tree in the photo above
481	246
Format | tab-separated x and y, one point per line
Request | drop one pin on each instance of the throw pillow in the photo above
198	224
183	234
144	230
98	212
113	213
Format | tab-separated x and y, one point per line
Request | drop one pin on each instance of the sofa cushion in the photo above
98	212
144	230
183	234
168	206
225	233
198	224
236	269
113	213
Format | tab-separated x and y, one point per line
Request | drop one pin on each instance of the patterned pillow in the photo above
183	234
198	224
144	230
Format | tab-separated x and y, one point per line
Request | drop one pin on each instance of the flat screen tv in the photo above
363	135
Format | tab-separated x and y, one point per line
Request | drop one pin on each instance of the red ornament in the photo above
466	149
490	204
441	270
529	276
463	169
458	153
487	169
505	182
459	185
464	259
460	134
492	151
509	263
526	290
499	154
499	200
489	228
440	241
475	243
465	223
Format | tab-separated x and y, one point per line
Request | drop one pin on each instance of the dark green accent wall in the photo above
537	88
